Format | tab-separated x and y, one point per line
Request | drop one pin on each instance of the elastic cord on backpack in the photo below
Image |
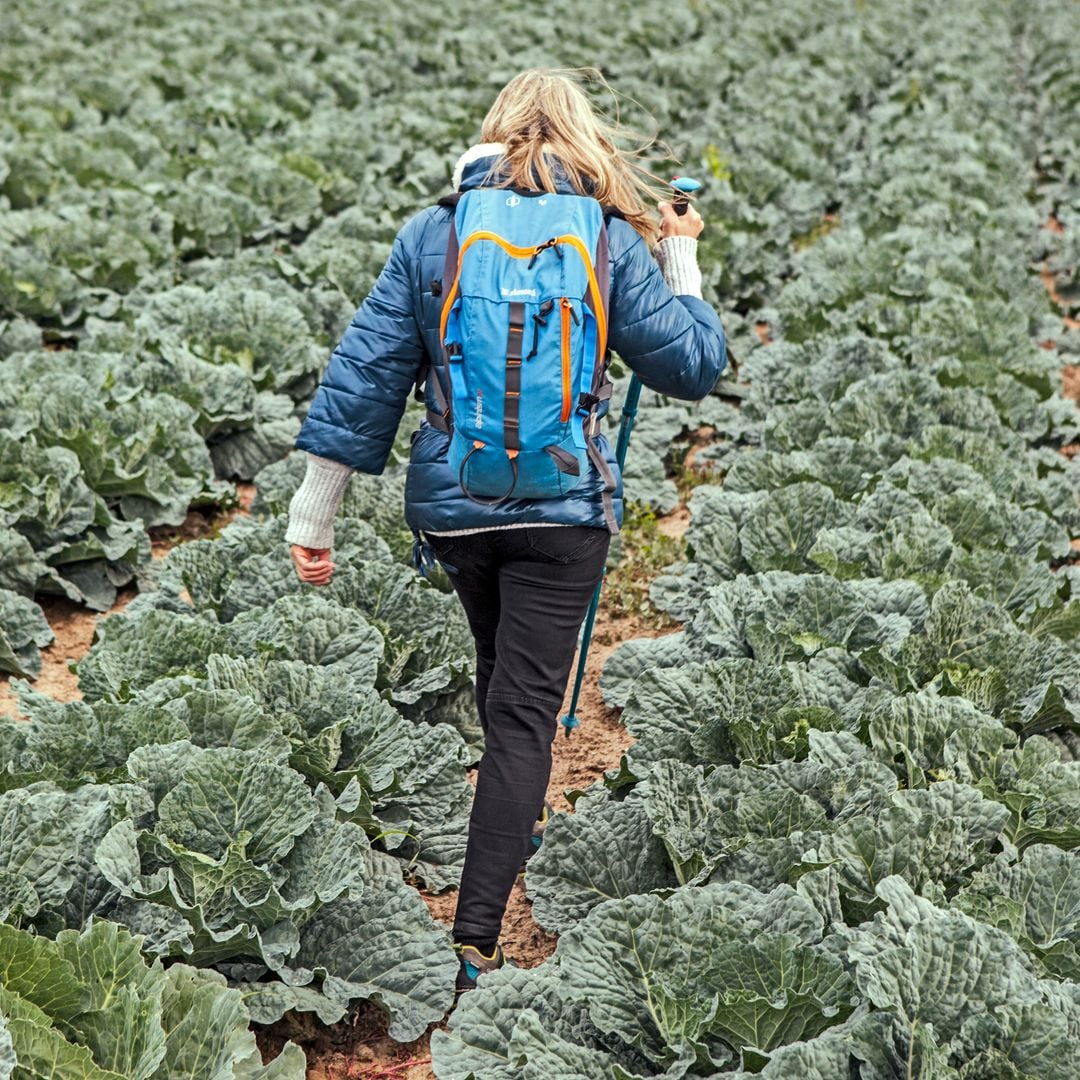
499	499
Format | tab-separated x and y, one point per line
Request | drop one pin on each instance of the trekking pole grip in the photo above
683	185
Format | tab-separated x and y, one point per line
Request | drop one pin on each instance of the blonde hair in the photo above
545	111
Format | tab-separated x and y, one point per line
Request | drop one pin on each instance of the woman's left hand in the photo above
313	565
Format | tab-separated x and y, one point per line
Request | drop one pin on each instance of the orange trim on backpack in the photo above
594	287
527	253
566	309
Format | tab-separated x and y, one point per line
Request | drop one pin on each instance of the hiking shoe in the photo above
537	837
473	964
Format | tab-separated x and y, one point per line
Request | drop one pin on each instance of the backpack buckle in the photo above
586	403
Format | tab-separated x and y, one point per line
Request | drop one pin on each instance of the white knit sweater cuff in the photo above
312	508
677	256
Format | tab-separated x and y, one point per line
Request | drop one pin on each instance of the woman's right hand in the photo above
313	565
672	224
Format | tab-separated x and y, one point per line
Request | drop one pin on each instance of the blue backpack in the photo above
524	337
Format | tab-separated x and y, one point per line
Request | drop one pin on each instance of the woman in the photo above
524	569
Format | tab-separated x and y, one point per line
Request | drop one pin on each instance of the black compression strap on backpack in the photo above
445	420
602	467
588	402
512	407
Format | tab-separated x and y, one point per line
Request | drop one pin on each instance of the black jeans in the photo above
525	592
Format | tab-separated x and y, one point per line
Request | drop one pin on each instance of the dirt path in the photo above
345	1052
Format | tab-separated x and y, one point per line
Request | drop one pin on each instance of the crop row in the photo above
843	842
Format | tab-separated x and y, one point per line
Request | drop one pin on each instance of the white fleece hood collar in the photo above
483	151
475	153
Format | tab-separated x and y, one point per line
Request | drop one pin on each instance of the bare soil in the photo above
355	1047
74	626
1047	278
1070	381
676	523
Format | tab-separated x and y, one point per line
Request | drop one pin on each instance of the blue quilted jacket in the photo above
674	344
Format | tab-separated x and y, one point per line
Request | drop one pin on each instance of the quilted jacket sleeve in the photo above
356	410
674	344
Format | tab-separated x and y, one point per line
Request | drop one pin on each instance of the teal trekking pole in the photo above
683	185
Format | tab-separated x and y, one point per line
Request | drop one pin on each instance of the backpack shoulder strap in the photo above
602	270
443	420
603	267
601	387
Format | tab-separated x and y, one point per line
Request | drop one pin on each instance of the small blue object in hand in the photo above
683	186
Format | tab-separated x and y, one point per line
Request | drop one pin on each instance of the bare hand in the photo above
313	565
672	224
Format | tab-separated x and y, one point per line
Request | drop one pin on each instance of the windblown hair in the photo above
545	111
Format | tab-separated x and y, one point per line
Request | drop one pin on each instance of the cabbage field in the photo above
844	840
